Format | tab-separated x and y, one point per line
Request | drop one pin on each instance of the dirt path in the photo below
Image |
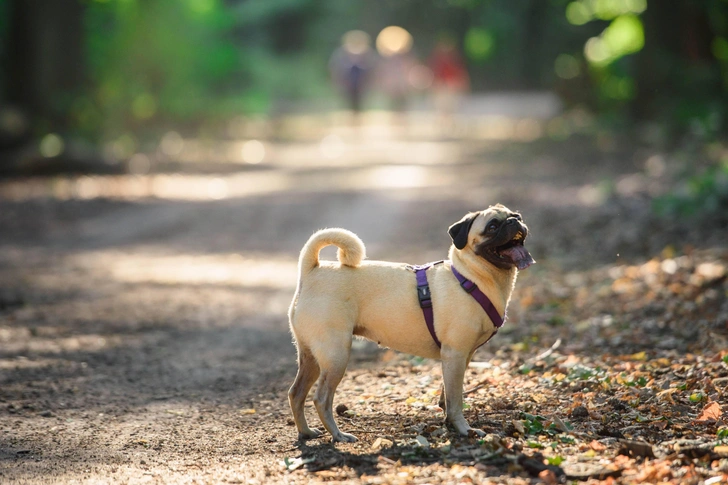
144	340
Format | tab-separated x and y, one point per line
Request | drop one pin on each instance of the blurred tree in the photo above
45	62
103	68
677	72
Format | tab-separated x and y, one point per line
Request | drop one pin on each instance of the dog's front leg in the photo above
441	402
454	364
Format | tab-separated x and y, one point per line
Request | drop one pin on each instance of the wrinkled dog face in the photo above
496	234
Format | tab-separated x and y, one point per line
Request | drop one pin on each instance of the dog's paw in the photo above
475	433
310	434
345	438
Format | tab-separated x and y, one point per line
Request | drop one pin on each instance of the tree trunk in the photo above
45	58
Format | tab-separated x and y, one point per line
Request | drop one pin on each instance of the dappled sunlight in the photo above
53	344
132	187
218	187
22	362
399	176
192	269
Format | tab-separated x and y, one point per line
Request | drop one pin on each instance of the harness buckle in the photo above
423	293
468	286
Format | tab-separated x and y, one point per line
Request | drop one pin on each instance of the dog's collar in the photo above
425	298
480	297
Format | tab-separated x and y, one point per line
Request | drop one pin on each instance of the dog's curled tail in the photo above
351	248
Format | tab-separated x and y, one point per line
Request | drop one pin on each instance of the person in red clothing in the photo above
449	79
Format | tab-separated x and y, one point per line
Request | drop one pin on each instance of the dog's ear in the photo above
459	231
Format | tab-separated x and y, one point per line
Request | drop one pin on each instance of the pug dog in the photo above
377	300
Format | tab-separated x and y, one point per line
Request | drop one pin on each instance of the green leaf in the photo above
555	460
564	438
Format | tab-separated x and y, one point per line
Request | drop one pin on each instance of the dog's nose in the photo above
511	221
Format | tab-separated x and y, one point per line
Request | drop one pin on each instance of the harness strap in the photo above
425	298
480	297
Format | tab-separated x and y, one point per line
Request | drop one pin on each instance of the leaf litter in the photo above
588	381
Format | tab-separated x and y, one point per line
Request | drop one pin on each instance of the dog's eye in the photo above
493	225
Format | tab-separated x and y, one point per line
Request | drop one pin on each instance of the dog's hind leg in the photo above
308	372
333	365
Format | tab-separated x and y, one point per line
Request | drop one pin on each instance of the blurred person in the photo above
450	80
350	67
394	44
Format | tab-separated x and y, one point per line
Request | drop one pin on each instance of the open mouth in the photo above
513	252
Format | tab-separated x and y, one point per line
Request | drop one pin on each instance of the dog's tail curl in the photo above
351	248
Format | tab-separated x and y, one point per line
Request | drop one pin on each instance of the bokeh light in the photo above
253	152
51	145
624	35
393	40
567	66
420	77
356	42
139	164
172	144
582	11
332	147
479	44
144	106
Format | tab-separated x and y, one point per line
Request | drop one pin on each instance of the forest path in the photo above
145	340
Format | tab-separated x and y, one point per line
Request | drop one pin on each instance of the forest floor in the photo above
144	337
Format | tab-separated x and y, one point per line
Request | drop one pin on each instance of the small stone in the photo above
341	409
580	412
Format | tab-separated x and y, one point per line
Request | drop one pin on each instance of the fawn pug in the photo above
379	301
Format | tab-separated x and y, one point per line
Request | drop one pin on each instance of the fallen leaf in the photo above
292	464
636	449
597	446
711	412
380	443
721	450
548	477
560	425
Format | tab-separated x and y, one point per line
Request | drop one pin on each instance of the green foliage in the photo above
705	193
155	60
584	373
534	424
479	44
555	460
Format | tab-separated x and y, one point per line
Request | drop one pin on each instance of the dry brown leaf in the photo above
597	446
548	477
711	412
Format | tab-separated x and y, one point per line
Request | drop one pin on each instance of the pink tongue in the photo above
519	256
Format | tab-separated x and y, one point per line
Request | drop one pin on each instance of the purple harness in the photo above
423	293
